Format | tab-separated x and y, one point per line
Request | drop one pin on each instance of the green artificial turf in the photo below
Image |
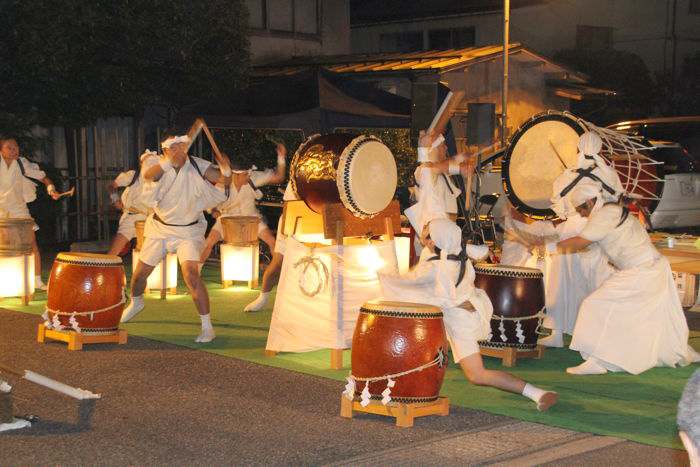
640	408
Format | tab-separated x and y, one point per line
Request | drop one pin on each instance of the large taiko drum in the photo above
139	226
543	147
357	171
517	295
86	292
393	338
240	230
15	236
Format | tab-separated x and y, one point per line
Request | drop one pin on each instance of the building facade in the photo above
661	32
280	29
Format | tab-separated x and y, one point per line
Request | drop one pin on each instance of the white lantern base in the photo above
17	273
156	280
240	263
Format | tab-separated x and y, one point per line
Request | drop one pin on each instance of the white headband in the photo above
174	140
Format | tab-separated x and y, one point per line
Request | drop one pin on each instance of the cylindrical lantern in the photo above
12	272
155	280
403	252
240	263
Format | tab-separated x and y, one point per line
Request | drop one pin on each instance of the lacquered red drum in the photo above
357	171
86	293
517	295
393	338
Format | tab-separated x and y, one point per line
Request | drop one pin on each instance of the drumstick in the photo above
199	125
557	153
57	386
443	116
70	192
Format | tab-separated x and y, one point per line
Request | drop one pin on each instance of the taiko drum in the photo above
394	337
240	230
517	295
89	288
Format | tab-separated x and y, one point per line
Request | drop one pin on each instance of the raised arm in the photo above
573	244
280	171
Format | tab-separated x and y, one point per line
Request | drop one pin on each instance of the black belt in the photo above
155	217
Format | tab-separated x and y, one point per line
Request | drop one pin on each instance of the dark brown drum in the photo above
517	295
86	293
358	171
394	337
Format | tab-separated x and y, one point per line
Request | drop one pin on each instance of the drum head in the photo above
366	176
537	154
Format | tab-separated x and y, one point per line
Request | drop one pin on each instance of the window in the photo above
401	41
281	15
284	16
457	38
694	7
594	37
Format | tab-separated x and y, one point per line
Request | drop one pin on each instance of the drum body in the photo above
15	236
394	337
543	147
139	226
357	171
517	295
86	292
240	230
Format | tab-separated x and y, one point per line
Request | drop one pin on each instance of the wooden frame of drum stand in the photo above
337	223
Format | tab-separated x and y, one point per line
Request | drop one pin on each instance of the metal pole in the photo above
504	88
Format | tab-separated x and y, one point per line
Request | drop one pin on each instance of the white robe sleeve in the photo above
32	170
601	223
262	177
124	178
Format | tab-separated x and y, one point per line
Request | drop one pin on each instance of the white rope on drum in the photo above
55	323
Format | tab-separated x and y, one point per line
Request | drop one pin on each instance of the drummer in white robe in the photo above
444	277
130	202
16	190
634	321
178	189
241	196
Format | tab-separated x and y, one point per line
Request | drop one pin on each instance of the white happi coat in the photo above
134	207
443	192
568	278
634	321
179	198
15	190
464	328
241	202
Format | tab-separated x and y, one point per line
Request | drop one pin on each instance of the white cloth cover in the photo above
15	190
634	321
280	245
327	320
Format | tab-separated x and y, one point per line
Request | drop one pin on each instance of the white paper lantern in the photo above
155	280
239	263
12	275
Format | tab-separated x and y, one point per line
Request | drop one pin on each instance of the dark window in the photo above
256	12
694	7
594	37
306	16
280	15
457	38
401	41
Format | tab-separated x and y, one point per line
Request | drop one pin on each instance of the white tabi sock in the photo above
556	339
543	399
206	322
259	303
589	367
207	334
133	309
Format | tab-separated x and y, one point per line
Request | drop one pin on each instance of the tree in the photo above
70	62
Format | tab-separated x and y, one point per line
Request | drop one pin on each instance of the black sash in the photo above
155	217
461	257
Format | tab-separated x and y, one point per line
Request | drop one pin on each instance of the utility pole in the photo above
504	87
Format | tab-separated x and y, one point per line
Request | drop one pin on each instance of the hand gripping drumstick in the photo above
70	192
42	380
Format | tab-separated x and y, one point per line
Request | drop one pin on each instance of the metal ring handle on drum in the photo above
520	205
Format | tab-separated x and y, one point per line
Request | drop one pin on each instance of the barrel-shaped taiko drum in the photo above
357	171
517	295
86	292
240	230
396	337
